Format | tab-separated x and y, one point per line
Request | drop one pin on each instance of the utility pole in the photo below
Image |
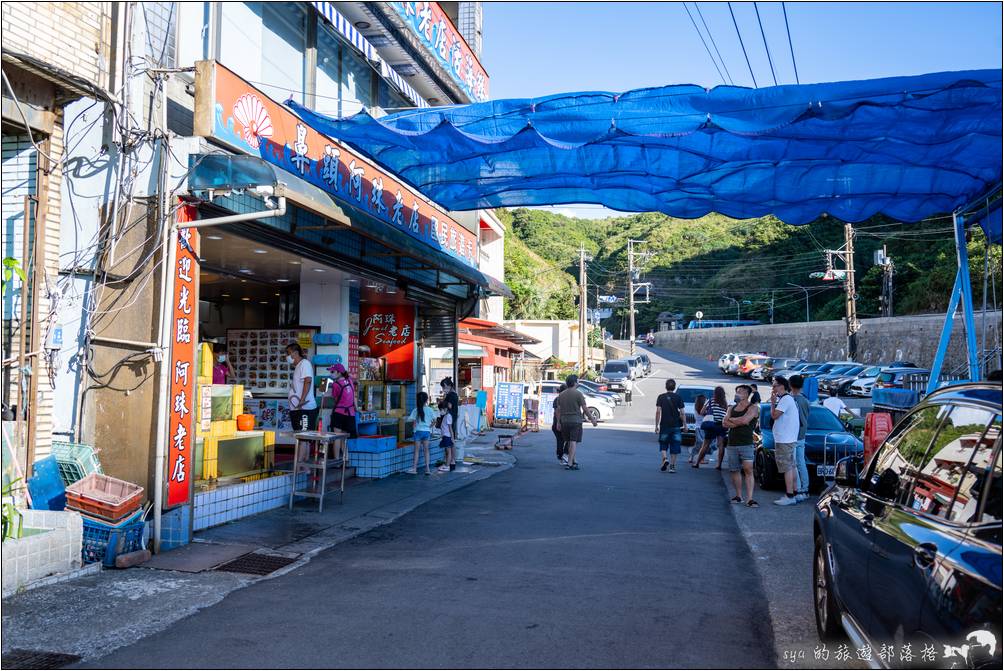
887	271
582	309
631	335
806	290
851	300
771	308
633	286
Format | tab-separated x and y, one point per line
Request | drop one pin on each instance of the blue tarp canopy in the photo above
907	147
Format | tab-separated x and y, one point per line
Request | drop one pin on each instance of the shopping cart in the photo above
836	446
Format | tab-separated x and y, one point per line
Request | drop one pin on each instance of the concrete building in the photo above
559	338
154	100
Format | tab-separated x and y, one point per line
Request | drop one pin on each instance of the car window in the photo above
615	368
871	372
690	394
990	506
954	466
903	453
821	419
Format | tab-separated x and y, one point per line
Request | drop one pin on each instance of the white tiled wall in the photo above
233	502
32	558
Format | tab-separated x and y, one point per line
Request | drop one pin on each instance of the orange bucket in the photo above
245	422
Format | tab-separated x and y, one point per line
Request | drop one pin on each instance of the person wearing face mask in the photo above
302	404
223	371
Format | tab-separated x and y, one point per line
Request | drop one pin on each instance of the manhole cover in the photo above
256	564
37	659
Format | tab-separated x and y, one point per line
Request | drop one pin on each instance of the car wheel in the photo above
827	614
762	471
592	414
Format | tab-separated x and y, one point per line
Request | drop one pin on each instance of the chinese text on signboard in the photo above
389	332
509	400
434	28
236	113
182	371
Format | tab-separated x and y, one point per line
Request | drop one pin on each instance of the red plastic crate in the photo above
104	496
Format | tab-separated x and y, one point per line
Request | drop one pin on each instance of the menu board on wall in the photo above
547	409
259	357
509	400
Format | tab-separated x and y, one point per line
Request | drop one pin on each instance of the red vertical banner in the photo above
185	321
389	332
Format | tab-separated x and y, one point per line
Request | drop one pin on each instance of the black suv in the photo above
908	546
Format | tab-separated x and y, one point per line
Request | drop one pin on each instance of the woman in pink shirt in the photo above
343	417
222	370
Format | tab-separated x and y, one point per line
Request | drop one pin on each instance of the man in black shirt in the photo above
669	421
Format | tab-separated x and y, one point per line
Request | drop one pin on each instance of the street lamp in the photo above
806	290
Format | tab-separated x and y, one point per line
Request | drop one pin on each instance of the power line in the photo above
766	48
694	24
790	47
743	45
711	37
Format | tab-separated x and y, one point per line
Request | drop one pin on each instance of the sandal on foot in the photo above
736	499
752	504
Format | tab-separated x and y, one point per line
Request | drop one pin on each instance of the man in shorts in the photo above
784	413
669	422
572	411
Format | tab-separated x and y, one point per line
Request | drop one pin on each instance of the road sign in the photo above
607	299
699	314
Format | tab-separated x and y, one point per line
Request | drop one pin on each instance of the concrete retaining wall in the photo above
879	340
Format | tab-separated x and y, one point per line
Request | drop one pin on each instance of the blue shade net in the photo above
907	147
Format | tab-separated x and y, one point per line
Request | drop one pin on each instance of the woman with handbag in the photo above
711	425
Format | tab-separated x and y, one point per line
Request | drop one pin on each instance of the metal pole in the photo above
799	286
962	257
852	314
631	295
983	343
582	310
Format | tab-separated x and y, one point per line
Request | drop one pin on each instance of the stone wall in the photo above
879	340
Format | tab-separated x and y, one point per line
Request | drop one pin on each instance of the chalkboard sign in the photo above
509	401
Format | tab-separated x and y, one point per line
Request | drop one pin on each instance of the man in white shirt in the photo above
835	405
784	413
302	404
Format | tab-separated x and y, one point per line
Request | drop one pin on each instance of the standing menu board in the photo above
259	357
509	401
547	409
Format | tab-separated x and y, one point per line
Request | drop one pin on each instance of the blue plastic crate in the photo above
46	485
103	542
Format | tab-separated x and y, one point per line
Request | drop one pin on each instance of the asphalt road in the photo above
616	565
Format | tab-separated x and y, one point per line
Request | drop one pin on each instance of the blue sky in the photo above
536	48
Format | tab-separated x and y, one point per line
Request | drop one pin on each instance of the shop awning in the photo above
907	147
225	172
488	329
466	351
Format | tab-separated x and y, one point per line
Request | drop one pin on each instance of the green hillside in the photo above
696	264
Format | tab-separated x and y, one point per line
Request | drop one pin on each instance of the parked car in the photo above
839	384
804	368
907	548
825	431
725	360
749	363
894	377
862	386
824	379
689	395
602	390
773	364
733	368
826	368
598	408
616	374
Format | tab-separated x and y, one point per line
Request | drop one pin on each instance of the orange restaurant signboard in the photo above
233	112
183	368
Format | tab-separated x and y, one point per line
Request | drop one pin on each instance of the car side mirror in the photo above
847	471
